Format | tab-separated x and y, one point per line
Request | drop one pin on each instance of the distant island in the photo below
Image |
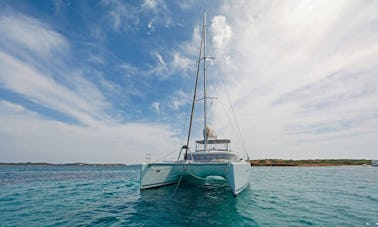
63	164
310	162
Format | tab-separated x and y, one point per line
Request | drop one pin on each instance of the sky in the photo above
111	81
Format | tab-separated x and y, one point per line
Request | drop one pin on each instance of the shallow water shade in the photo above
109	196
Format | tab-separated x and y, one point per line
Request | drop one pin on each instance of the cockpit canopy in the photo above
213	145
217	150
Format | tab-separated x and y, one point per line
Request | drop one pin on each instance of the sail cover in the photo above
210	133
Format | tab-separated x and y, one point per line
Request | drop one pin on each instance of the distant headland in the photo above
310	162
62	164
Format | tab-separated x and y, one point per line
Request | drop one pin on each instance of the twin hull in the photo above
237	174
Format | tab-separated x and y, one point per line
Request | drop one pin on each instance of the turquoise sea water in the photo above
109	196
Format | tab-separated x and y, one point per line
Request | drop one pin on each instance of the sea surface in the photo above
110	196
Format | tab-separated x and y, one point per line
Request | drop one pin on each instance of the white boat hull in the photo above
237	174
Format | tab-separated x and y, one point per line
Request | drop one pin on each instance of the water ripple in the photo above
109	196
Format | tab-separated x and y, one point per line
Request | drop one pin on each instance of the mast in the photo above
204	82
186	147
203	44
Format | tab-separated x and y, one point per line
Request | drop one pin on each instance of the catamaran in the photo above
212	156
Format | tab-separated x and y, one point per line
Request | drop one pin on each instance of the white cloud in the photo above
151	4
130	70
126	16
25	80
302	77
185	5
181	63
10	108
59	5
31	137
156	106
123	16
161	67
158	12
221	32
151	27
27	70
191	47
179	99
97	59
173	63
31	34
26	135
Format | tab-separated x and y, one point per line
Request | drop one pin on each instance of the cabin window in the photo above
210	157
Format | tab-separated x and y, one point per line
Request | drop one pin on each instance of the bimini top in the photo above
217	141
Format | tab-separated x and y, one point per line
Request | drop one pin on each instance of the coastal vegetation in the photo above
309	162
